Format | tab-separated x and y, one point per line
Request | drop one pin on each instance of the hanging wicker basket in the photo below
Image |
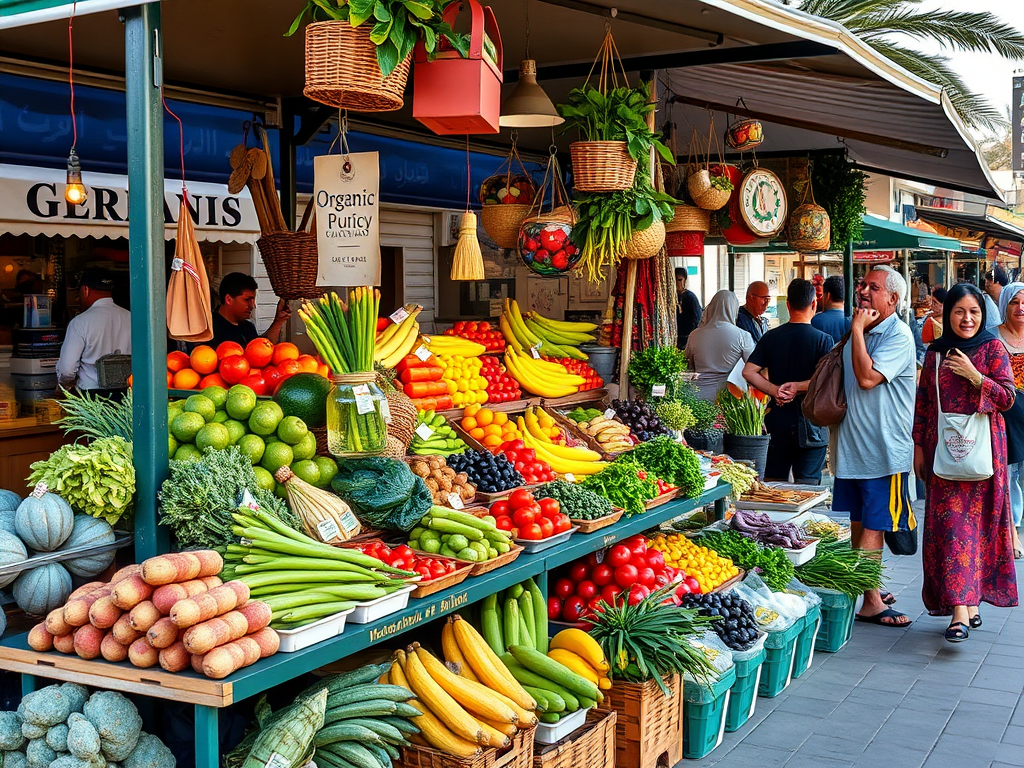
602	166
342	69
507	197
809	228
291	260
645	243
704	193
502	223
679	244
551	227
689	218
745	134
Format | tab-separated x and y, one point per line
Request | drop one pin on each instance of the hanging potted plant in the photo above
839	187
709	187
507	198
612	122
743	412
358	52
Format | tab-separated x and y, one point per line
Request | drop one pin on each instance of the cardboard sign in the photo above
346	195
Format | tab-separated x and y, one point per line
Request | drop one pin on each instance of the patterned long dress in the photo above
967	549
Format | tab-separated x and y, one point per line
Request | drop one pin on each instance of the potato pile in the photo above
442	480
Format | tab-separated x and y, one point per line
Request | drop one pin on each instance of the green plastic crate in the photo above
804	651
743	694
836	620
777	671
704	711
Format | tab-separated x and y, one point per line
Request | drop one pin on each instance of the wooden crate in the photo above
519	755
649	726
591	746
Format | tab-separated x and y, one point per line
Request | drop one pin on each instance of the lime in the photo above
280	491
175	405
292	429
265	417
307	470
306	447
252	447
214	436
172	445
202	405
240	402
328	469
220	417
218	395
185	426
236	429
187	453
264	479
272	439
276	456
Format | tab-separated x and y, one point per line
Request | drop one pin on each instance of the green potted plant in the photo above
656	366
705	434
743	413
358	52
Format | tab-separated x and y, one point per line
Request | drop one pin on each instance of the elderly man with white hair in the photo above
875	447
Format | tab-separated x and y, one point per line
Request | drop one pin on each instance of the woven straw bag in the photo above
602	166
645	243
809	226
502	221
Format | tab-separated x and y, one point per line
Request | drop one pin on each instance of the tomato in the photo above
596	605
520	498
662	579
579	571
500	508
586	589
682	589
636	544
531	532
547	528
524	517
645	576
639	560
403	550
602	575
554	609
592	559
424	571
618	555
518	445
503	523
655	560
438	569
573	609
625	575
562	523
692	584
637	593
550	507
565	588
528	454
512	455
610	594
383	552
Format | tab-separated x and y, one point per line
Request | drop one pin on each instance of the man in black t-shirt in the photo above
688	311
238	300
790	354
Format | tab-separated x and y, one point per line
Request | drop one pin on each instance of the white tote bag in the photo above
964	448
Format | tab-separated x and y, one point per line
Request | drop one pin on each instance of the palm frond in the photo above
844	11
966	31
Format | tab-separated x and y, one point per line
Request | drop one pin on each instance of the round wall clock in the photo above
762	202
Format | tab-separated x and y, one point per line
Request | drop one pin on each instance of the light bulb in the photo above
75	192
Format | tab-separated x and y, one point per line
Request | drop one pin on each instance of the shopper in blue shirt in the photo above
832	320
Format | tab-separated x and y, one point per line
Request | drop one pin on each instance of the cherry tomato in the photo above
579	571
554	609
550	507
692	584
565	588
645	576
592	559
520	498
512	455
500	508
403	551
602	575
573	609
531	532
438	569
424	571
618	555
528	454
682	589
586	589
637	593
523	517
625	575
517	445
547	528
596	605
610	594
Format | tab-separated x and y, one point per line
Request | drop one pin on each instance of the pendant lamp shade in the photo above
528	106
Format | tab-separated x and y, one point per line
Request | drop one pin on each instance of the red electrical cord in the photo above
71	73
181	141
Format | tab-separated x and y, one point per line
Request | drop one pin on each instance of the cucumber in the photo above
552	670
502	547
524	626
586	703
357	755
368	692
327	760
371	708
450	526
526	677
490	625
555	702
378	751
550	717
540	616
404	710
514	591
393	752
511	619
402	724
387	733
541	699
356	677
344	732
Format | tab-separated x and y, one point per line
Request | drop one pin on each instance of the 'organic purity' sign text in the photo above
346	195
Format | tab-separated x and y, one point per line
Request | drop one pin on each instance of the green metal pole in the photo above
146	261
848	277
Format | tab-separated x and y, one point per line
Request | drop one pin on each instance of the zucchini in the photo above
344	732
372	708
550	717
328	760
525	676
586	703
393	752
540	615
490	624
511	617
368	692
356	677
358	755
402	724
537	662
555	702
386	732
542	702
526	613
378	751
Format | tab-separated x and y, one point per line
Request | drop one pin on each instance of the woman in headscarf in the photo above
967	549
1011	333
718	344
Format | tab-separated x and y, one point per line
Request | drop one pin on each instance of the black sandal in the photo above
975	621
957	632
888	598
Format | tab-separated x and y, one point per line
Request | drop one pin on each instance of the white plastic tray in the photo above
549	733
530	545
372	610
711	479
296	639
801	556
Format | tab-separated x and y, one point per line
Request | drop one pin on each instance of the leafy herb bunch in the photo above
657	365
706	414
839	189
618	115
397	25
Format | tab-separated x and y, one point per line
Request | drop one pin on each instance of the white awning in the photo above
32	203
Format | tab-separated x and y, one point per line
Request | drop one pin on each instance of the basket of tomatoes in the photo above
436	573
535	524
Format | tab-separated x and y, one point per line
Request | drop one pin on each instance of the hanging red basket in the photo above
456	95
685	243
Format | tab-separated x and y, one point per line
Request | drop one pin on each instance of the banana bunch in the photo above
541	377
583	655
463	712
612	435
439	344
551	338
398	339
558	688
563	459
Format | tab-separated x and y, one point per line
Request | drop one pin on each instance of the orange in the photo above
323	370
307	364
477	433
176	361
289	366
492	441
259	352
492	429
471	410
468	423
228	348
485	417
203	359
213	380
170	379
501	418
187	378
285	351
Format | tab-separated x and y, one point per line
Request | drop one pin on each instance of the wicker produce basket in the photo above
342	69
689	218
291	260
682	244
649	727
646	243
602	166
706	196
591	746
519	755
502	223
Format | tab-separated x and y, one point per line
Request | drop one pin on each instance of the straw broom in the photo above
468	262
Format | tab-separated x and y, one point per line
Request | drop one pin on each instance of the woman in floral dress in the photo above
967	549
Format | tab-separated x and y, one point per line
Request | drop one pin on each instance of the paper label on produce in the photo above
277	761
349	522
658	390
535	351
385	411
422	353
40	490
399	315
327	530
245	542
424	432
570	477
610	413
249	501
455	500
364	403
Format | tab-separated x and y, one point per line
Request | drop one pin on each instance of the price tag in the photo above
364	402
399	315
249	501
328	530
349	523
456	501
570	477
658	390
40	490
535	351
610	413
422	353
277	761
385	411
424	432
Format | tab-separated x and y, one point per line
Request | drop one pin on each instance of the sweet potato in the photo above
130	592
268	640
222	661
163	634
197	663
181	566
206	636
64	643
124	632
76	610
175	658
205	606
143	616
111	649
142	654
85	589
55	623
166	596
103	614
40	638
211	563
125	572
87	641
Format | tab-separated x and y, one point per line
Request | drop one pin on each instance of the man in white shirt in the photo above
102	329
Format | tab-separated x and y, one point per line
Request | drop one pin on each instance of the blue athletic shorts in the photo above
878	503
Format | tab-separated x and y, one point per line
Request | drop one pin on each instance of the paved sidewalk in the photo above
896	697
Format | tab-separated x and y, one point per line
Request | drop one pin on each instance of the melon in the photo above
39	591
45	522
89	532
9	501
7	521
12	551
